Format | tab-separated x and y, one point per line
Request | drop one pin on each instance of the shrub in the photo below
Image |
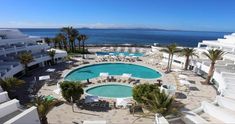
151	98
143	90
71	89
159	102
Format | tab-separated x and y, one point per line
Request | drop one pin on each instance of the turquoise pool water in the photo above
92	71
111	90
118	53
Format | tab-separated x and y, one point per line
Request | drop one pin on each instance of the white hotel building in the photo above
222	110
12	43
224	69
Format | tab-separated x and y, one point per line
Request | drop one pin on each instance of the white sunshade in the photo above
50	70
126	49
133	50
121	102
183	76
46	77
90	99
184	82
104	74
118	49
126	75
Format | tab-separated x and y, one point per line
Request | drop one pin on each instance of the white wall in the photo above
9	107
29	116
4	97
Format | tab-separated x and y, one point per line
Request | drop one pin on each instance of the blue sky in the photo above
213	15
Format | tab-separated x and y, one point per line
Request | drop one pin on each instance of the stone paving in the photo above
192	99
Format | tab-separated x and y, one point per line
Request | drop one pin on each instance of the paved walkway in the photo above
192	99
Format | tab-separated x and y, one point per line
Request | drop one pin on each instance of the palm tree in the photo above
159	103
171	50
58	41
71	89
44	106
26	58
47	40
62	39
213	55
188	52
71	35
51	53
55	42
8	84
79	38
84	38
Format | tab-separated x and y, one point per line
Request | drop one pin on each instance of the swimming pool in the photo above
110	90
119	53
92	71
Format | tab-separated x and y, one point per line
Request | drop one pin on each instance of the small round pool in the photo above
92	71
111	90
119	53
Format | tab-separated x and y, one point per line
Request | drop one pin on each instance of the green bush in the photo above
71	89
143	90
158	102
151	98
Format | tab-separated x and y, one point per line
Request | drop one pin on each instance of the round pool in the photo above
111	90
92	71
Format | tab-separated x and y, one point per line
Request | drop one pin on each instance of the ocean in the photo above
136	36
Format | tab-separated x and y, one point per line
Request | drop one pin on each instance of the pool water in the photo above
119	53
92	71
110	90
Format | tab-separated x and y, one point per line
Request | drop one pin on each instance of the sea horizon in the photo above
134	36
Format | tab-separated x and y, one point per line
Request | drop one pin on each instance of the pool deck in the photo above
65	113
